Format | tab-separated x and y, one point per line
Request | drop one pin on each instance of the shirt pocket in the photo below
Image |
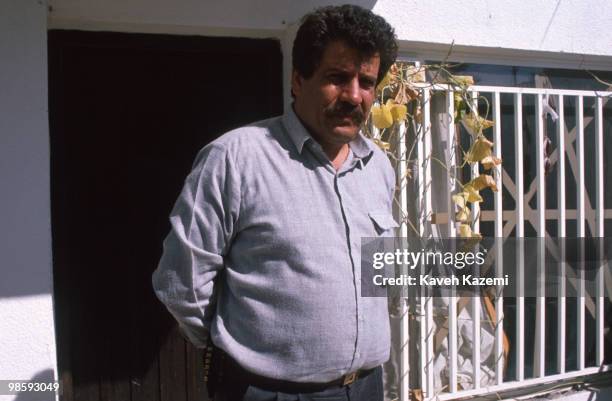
384	223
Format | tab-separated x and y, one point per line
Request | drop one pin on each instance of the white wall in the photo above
570	26
27	338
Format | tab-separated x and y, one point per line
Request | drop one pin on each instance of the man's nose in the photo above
351	92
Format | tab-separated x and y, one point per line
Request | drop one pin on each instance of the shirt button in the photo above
357	355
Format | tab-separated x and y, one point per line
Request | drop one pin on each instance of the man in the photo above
264	251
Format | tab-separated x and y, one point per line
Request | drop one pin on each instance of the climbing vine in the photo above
400	101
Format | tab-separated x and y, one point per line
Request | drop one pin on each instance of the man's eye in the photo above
336	78
367	83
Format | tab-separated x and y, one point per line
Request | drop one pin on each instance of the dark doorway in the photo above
128	113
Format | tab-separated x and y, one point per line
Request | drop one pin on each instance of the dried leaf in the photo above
465	231
483	181
473	196
411	93
400	97
463	214
490	162
382	117
415	74
471	124
486	123
418	115
394	69
475	124
382	144
460	199
463	80
461	109
457	97
480	149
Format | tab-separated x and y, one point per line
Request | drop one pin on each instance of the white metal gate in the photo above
589	213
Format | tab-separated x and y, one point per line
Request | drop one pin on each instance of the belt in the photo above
232	372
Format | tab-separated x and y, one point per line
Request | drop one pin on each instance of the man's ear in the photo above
296	83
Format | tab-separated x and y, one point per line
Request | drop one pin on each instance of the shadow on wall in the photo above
44	376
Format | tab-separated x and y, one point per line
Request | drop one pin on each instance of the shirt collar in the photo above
362	147
295	129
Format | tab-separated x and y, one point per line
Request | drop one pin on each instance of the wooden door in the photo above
128	113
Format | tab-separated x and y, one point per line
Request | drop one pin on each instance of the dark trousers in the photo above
369	388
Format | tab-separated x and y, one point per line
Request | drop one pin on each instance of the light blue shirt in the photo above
266	217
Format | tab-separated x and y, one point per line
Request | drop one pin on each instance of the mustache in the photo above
342	110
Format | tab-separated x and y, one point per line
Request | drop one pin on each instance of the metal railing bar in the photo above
561	231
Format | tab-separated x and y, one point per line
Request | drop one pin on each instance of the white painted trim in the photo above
561	310
523	91
402	168
503	56
540	346
523	383
130	27
499	233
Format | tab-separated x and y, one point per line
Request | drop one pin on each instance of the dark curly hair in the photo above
359	28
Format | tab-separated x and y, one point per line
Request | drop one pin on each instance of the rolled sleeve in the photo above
202	225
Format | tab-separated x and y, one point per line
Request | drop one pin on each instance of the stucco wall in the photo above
27	338
570	26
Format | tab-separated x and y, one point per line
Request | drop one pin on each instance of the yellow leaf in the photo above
463	80
475	124
460	199
480	149
381	116
463	215
490	162
473	196
471	124
457	97
398	111
465	231
483	181
382	144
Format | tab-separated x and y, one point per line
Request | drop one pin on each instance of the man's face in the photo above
336	99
